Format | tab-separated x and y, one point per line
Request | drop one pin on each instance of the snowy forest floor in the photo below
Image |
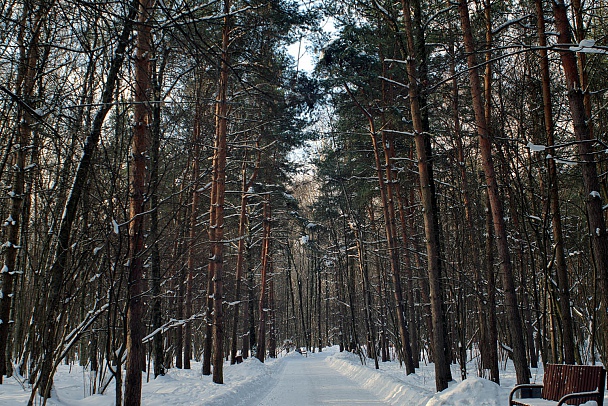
280	382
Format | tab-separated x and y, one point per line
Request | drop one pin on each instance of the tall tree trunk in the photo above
556	218
272	338
380	275
394	197
423	71
349	277
394	259
139	155
317	276
293	331
61	251
249	336
25	82
409	275
193	234
262	304
240	258
208	341
474	259
155	265
582	133
179	310
492	357
367	297
219	187
525	293
513	316
442	363
305	329
579	35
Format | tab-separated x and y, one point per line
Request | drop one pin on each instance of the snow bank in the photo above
179	387
473	391
247	383
416	389
387	388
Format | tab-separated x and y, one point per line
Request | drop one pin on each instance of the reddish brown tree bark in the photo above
582	133
272	337
262	304
137	188
485	145
208	342
563	285
217	202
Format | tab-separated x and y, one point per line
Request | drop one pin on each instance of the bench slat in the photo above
552	374
560	380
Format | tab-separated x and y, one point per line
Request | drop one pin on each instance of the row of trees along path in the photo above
175	186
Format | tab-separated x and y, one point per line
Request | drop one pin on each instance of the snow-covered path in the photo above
306	381
323	378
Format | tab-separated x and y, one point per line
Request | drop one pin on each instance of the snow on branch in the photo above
535	148
588	46
509	23
394	82
395	60
174	23
171	324
77	332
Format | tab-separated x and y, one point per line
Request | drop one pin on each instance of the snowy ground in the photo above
329	377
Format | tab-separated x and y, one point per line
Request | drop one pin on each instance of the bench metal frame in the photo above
586	375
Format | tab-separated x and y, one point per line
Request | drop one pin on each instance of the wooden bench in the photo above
563	385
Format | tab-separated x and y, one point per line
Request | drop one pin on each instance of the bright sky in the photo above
301	50
302	55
